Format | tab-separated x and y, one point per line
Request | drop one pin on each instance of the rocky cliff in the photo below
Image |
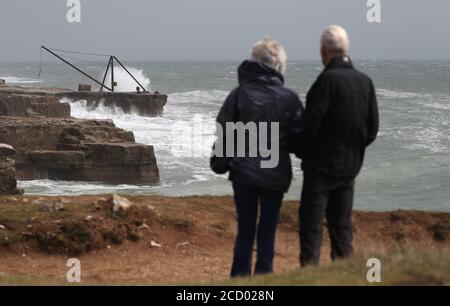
77	150
50	144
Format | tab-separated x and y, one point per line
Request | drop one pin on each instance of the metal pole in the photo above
112	73
106	73
82	72
143	88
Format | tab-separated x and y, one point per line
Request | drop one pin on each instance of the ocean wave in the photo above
398	94
50	187
199	96
124	81
181	131
441	105
437	101
432	139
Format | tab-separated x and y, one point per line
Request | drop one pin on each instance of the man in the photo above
340	121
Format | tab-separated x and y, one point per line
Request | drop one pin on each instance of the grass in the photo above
406	268
20	280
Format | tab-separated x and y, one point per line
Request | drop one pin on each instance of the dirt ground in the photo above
163	240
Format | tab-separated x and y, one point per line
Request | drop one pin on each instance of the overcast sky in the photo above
222	29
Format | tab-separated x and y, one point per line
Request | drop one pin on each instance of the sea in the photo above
408	167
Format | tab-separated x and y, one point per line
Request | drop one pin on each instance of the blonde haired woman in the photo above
260	98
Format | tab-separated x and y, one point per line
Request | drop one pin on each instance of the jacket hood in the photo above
250	71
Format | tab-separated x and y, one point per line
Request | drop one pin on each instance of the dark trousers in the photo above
337	203
246	199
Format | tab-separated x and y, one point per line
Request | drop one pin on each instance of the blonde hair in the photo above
335	39
271	53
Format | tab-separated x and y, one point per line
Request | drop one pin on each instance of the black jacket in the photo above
341	120
262	97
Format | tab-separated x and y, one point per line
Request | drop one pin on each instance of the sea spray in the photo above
125	82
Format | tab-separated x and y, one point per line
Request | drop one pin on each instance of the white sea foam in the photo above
180	112
50	187
441	104
398	94
432	139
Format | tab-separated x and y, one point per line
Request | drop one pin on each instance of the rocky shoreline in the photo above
47	143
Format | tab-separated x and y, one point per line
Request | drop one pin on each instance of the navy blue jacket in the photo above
262	97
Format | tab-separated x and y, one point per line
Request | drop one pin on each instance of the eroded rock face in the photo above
21	105
8	183
78	150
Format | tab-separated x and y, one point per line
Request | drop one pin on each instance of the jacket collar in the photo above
342	61
251	71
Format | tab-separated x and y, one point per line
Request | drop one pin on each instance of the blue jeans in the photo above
246	199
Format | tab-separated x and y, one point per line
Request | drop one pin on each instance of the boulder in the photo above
119	204
6	150
8	182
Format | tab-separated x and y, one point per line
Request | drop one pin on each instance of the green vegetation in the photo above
407	268
20	280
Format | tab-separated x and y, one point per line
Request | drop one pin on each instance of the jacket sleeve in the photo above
295	124
226	114
373	120
317	104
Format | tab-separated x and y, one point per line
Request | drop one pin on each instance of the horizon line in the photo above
231	60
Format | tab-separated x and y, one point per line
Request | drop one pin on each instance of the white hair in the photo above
271	53
335	39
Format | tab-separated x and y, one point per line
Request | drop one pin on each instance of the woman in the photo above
260	98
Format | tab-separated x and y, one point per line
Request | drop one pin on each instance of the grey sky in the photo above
222	29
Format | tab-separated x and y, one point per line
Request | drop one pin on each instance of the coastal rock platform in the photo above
77	150
50	144
23	101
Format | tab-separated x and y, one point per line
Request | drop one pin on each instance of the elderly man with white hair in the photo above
340	121
260	100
